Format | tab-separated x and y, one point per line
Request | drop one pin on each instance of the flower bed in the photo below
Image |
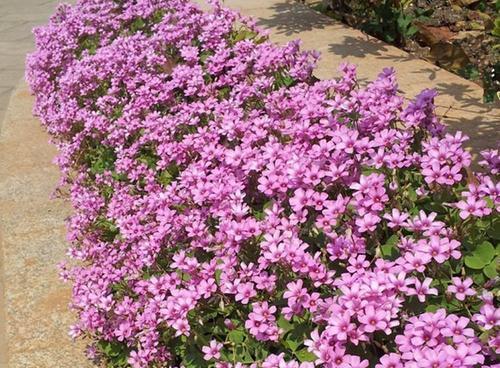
232	210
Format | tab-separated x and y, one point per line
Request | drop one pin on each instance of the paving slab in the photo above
17	18
35	311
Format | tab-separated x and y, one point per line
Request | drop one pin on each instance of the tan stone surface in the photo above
17	18
32	241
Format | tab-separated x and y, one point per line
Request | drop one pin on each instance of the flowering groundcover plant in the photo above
231	210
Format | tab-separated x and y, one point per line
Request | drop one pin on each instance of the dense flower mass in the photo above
231	210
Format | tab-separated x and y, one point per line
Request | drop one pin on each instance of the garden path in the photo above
33	303
34	315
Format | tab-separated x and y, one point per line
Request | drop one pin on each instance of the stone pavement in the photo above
34	315
32	240
17	18
33	303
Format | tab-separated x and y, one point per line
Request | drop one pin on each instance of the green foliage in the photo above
389	250
295	333
496	28
137	25
99	158
88	43
144	25
491	270
480	256
470	72
115	353
305	356
244	33
491	83
165	177
395	22
193	357
388	21
107	229
282	79
147	155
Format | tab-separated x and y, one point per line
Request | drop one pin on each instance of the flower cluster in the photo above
232	210
261	322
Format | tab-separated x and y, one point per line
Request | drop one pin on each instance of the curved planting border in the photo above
232	210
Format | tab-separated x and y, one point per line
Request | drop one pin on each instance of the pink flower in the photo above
367	223
261	322
301	199
456	328
460	288
295	293
437	249
421	289
473	207
390	360
245	291
373	319
396	218
215	182
212	351
488	317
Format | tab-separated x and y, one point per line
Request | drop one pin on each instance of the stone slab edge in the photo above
3	281
34	312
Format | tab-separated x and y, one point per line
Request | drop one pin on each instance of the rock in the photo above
464	2
460	26
482	18
462	35
430	35
450	56
476	26
448	16
423	52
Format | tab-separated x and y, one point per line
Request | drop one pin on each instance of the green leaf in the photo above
481	256
137	25
217	276
115	353
491	270
435	207
494	230
478	277
485	251
474	262
100	158
305	356
193	357
168	175
284	324
296	336
389	249
412	194
89	43
107	228
292	343
411	31
243	355
496	29
431	308
236	336
261	352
